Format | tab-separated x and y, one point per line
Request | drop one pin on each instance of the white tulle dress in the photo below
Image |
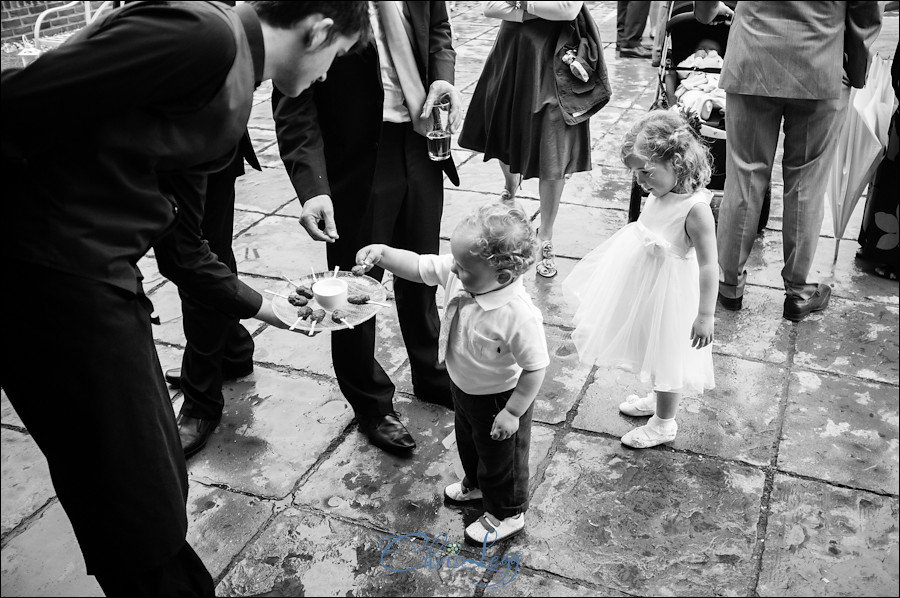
637	296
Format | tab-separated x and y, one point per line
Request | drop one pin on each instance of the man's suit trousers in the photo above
811	131
85	379
404	211
215	342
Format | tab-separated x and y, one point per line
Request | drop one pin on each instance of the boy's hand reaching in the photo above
368	256
505	425
702	331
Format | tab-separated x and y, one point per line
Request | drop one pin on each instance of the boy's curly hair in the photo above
666	136
503	237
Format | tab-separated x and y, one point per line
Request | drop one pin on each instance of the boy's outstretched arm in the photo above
400	262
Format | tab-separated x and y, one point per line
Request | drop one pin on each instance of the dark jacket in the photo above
328	136
579	100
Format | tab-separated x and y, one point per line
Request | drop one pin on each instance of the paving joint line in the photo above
26	522
765	500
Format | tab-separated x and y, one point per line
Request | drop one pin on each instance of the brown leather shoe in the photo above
731	304
194	433
638	52
387	433
796	309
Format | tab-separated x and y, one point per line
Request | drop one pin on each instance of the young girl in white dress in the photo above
646	297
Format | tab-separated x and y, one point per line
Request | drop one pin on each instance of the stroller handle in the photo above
689	16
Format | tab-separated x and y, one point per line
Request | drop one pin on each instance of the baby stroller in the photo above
683	33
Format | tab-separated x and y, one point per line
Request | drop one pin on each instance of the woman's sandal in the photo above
547	266
506	196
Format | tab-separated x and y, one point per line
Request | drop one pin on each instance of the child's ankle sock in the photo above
665	427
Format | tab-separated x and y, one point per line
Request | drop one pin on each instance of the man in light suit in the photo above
790	61
355	150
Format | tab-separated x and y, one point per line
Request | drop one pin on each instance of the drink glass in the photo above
438	137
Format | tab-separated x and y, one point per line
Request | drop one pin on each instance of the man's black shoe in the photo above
731	304
173	376
194	433
638	52
387	433
796	309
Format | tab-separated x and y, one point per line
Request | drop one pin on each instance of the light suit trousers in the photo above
811	131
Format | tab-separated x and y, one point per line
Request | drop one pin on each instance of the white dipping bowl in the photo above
330	293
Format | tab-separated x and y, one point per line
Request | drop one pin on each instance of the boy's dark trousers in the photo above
498	467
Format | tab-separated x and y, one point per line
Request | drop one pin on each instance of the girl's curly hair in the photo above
666	136
503	237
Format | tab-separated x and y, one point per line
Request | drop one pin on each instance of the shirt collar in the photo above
500	297
255	38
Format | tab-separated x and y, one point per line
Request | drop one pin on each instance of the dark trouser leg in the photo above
362	380
182	575
810	142
502	465
755	121
468	452
216	343
407	204
635	21
88	386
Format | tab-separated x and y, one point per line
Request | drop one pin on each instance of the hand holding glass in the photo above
439	136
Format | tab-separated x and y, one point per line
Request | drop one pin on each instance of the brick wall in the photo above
19	17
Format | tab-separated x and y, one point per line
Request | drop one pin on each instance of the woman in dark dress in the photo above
515	116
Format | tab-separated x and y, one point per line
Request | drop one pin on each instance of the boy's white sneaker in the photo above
457	493
636	406
651	435
487	529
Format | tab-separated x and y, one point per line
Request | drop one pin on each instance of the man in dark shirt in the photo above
106	146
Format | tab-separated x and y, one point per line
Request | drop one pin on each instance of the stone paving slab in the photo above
46	561
221	523
405	495
566	376
852	338
827	541
757	331
736	420
26	478
8	415
650	522
307	554
843	430
273	429
541	585
278	245
263	191
848	277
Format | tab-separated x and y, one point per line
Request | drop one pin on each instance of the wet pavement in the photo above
783	480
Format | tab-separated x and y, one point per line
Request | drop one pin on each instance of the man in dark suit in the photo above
793	62
355	150
107	144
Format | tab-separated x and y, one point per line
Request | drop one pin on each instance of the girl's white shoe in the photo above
636	406
651	435
485	531
457	493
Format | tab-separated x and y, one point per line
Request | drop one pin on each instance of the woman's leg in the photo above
550	193
512	182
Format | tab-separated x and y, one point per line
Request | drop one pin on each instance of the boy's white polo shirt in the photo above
496	336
